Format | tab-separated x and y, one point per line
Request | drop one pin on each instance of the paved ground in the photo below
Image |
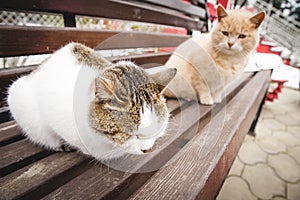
268	166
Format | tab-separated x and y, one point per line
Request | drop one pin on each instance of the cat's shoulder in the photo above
83	55
203	37
203	40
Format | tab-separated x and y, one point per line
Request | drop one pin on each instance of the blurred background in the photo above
268	164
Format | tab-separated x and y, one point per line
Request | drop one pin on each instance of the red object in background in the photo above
212	11
181	31
223	3
187	1
173	30
263	48
274	94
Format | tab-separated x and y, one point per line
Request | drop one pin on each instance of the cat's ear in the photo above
221	12
162	76
258	18
104	89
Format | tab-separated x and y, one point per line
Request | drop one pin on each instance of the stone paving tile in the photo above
295	130
273	124
295	153
295	115
285	166
263	181
269	164
237	167
267	114
261	130
293	191
249	138
278	109
287	120
235	188
286	138
271	145
250	153
278	198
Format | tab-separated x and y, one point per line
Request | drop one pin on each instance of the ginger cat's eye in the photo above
225	33
242	36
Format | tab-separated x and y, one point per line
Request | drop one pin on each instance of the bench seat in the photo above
199	150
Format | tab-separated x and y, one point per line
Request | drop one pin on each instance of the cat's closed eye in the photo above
242	36
225	33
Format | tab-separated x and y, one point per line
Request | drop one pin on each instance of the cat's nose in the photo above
230	44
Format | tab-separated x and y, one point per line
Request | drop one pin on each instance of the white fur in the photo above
51	105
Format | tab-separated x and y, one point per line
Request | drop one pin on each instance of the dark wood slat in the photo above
180	6
218	175
40	178
69	20
115	185
101	182
110	9
208	151
4	114
172	105
147	60
11	73
16	41
7	76
9	132
6	124
21	153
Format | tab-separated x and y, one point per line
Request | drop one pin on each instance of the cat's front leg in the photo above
217	97
204	93
206	99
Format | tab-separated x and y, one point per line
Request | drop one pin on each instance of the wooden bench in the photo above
191	161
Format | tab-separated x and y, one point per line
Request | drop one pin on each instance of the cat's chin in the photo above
229	51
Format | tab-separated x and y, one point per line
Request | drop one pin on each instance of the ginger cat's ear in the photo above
221	12
162	76
258	18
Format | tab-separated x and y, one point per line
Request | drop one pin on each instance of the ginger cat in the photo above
207	63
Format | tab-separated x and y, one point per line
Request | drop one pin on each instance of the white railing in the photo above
282	29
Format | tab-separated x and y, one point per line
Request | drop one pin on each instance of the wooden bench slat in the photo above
173	104
4	113
39	178
106	8
148	60
181	6
221	169
17	159
202	155
125	184
40	40
9	132
101	182
21	153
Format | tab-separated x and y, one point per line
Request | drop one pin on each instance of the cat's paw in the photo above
206	100
217	99
67	148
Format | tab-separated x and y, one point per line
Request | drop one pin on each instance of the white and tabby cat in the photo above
208	62
122	107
